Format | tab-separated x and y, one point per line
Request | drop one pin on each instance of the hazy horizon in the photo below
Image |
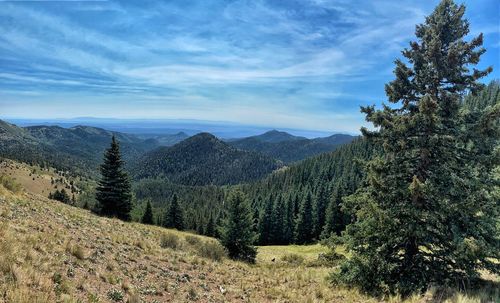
223	129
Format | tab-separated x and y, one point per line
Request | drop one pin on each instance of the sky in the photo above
305	64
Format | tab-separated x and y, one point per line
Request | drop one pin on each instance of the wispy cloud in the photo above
295	63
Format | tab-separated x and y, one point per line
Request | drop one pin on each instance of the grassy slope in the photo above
51	252
32	178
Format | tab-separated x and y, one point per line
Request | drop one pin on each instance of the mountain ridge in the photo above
204	159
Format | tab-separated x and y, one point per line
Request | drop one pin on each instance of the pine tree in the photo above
61	196
266	223
147	218
334	222
278	222
421	219
113	190
174	217
304	224
210	230
289	221
320	205
236	230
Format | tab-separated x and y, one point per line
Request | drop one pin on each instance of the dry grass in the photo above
31	178
51	252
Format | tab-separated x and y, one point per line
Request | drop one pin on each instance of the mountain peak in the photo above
274	136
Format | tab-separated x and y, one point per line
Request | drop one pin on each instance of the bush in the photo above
211	250
170	240
10	184
193	240
115	295
293	259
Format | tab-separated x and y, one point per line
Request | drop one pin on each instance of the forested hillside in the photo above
78	149
338	174
289	148
202	160
277	199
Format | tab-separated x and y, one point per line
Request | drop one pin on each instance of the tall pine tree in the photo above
422	219
278	221
174	217
147	218
320	205
266	223
236	232
334	221
113	190
304	230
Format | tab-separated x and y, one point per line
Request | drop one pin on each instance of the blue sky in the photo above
305	64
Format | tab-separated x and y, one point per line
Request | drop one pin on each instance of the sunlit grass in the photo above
52	252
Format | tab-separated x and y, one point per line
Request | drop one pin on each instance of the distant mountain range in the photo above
221	129
204	159
198	160
289	148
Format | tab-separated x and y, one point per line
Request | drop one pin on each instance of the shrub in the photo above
115	295
193	240
293	259
170	240
211	250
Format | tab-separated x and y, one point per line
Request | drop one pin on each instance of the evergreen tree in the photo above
304	224
113	190
218	224
147	218
61	196
236	230
320	205
278	221
174	217
266	223
423	217
289	221
334	222
210	230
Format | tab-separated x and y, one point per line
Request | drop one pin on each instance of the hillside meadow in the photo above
52	252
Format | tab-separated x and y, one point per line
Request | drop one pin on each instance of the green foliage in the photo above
425	215
147	218
236	233
61	195
304	231
174	217
320	205
113	190
335	219
266	223
210	229
115	295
